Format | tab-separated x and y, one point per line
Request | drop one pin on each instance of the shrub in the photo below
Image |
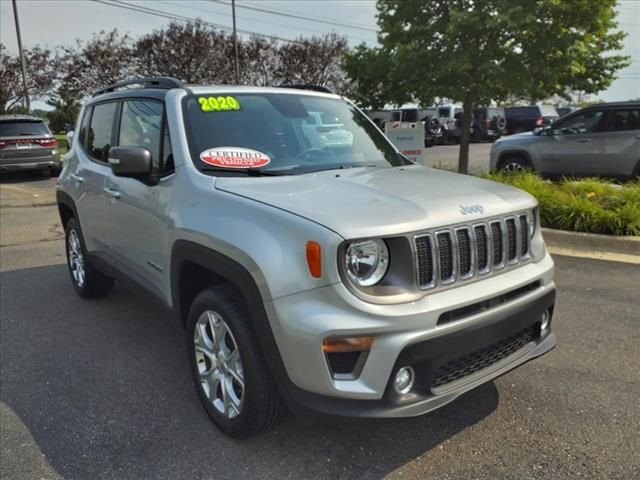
587	205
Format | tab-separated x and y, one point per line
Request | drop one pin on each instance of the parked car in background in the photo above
562	111
26	143
600	140
489	123
449	119
526	119
379	117
428	119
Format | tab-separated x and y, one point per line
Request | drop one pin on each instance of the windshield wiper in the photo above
250	172
334	167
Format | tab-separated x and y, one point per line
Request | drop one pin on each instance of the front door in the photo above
573	146
137	208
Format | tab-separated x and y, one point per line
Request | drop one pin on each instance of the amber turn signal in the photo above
314	259
346	344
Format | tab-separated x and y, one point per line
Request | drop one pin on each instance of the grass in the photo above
587	205
62	143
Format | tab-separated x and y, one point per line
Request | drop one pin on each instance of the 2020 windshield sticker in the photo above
218	104
235	157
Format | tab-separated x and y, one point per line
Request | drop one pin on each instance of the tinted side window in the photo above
141	126
100	131
84	127
622	120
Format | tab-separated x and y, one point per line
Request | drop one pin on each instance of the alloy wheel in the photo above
219	364
76	258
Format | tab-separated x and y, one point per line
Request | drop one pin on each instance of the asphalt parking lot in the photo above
101	389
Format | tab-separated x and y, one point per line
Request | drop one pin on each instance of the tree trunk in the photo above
465	137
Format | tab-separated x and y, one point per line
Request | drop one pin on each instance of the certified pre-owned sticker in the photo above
235	157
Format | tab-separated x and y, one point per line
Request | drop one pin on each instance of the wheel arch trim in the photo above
513	152
185	251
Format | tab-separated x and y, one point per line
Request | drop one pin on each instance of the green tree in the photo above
66	106
475	52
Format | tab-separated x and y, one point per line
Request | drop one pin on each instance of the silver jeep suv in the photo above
333	277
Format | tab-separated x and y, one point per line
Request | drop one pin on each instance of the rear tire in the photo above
87	281
227	364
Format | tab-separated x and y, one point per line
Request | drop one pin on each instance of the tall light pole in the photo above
235	40
27	102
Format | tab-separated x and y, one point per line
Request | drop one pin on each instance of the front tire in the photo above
87	281
515	163
227	364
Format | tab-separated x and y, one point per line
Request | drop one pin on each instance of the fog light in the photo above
403	382
544	323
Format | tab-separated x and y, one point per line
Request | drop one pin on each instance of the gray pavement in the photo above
446	156
101	389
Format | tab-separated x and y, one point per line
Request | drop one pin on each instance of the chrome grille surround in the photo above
502	236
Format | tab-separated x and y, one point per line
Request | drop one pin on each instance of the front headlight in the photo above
366	262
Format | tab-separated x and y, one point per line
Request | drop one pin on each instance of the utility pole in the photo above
235	41
27	102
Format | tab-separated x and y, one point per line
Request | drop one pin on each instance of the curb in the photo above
593	245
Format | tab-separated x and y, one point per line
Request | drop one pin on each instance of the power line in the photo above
299	17
182	18
248	19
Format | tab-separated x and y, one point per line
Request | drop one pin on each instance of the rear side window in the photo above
23	128
523	112
410	115
99	135
622	120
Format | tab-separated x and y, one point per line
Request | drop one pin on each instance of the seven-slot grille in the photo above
449	255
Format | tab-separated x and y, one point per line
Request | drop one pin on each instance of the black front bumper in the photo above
448	365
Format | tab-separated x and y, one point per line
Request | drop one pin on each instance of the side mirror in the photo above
130	161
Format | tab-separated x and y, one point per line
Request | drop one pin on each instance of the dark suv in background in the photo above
26	143
489	123
527	119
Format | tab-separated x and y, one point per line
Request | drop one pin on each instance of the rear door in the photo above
621	143
137	209
575	145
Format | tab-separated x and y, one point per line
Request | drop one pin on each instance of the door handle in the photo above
637	137
112	193
77	178
585	140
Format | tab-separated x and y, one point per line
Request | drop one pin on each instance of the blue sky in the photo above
60	22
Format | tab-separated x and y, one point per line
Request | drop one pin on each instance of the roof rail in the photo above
146	82
306	86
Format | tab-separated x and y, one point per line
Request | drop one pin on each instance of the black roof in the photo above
629	103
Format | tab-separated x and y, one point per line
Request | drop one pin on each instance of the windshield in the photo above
17	128
284	133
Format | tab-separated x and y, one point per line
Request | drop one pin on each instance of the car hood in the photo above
364	202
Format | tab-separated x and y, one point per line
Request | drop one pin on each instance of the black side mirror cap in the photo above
133	162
